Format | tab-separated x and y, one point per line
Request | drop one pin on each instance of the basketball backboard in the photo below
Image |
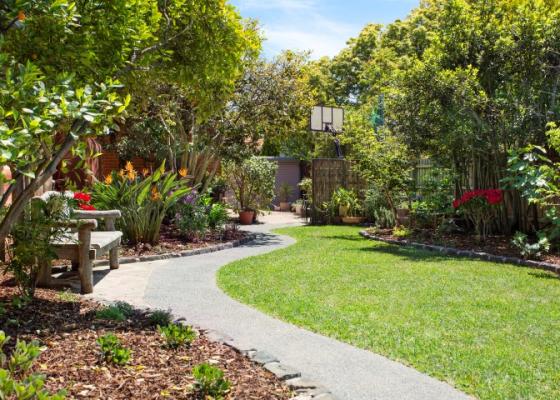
327	119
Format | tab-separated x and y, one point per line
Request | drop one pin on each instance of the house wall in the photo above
289	171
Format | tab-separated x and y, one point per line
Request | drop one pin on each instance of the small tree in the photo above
252	182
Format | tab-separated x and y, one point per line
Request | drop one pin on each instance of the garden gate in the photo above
329	174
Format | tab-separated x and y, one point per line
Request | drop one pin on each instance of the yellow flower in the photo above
183	172
108	179
129	167
155	194
121	173
145	172
131	175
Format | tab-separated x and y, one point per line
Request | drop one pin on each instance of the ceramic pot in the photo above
246	217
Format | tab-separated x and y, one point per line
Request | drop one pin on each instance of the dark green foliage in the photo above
177	335
160	318
42	223
210	381
118	311
112	350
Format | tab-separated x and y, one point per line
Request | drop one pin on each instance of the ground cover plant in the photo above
490	330
68	348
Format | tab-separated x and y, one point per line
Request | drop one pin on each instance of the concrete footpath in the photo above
188	287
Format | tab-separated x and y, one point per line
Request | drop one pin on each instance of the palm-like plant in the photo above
143	200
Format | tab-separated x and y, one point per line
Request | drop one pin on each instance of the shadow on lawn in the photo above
410	253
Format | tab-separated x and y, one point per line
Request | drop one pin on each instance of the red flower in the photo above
87	207
83	197
492	196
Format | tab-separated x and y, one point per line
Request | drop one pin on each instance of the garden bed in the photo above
172	242
495	245
67	326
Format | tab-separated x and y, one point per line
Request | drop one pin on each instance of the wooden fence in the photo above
329	174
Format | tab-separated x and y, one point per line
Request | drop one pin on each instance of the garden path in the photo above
188	287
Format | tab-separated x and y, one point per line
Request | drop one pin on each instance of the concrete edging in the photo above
187	253
468	253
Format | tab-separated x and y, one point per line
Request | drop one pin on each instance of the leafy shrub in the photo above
144	200
41	224
377	210
479	207
160	318
401	232
527	250
252	182
112	350
210	381
217	216
119	311
435	198
15	380
177	335
306	186
191	217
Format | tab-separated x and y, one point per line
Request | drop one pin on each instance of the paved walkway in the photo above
188	287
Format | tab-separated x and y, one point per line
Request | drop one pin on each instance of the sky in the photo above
322	26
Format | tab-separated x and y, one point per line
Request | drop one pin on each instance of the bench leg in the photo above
114	258
86	268
45	274
75	265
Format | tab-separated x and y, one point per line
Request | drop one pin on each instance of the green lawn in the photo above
490	330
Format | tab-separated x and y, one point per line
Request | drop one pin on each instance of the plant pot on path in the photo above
284	206
246	217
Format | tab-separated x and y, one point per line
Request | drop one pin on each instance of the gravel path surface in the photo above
188	287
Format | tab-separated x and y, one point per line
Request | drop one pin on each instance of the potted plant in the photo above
284	193
252	184
298	207
342	198
348	205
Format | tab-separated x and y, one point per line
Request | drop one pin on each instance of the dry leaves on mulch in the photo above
67	327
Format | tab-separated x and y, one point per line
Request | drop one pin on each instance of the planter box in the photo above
353	220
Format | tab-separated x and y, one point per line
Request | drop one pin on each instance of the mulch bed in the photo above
67	327
172	242
496	245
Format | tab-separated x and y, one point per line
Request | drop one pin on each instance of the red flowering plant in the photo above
82	201
479	206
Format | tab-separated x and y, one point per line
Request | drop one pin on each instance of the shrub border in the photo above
187	253
480	255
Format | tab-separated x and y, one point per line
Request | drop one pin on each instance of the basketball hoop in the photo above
327	119
330	120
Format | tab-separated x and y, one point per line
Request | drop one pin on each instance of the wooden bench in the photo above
84	244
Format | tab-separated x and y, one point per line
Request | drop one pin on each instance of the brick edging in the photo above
187	253
480	255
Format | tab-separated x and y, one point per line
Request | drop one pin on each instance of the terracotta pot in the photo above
343	211
246	217
284	206
352	220
298	209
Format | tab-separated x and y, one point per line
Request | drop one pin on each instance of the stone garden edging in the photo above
187	253
480	255
304	389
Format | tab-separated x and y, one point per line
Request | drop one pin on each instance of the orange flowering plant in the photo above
143	199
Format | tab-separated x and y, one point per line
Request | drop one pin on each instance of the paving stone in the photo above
301	383
281	371
261	357
219	337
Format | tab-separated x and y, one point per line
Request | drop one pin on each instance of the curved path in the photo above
188	287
